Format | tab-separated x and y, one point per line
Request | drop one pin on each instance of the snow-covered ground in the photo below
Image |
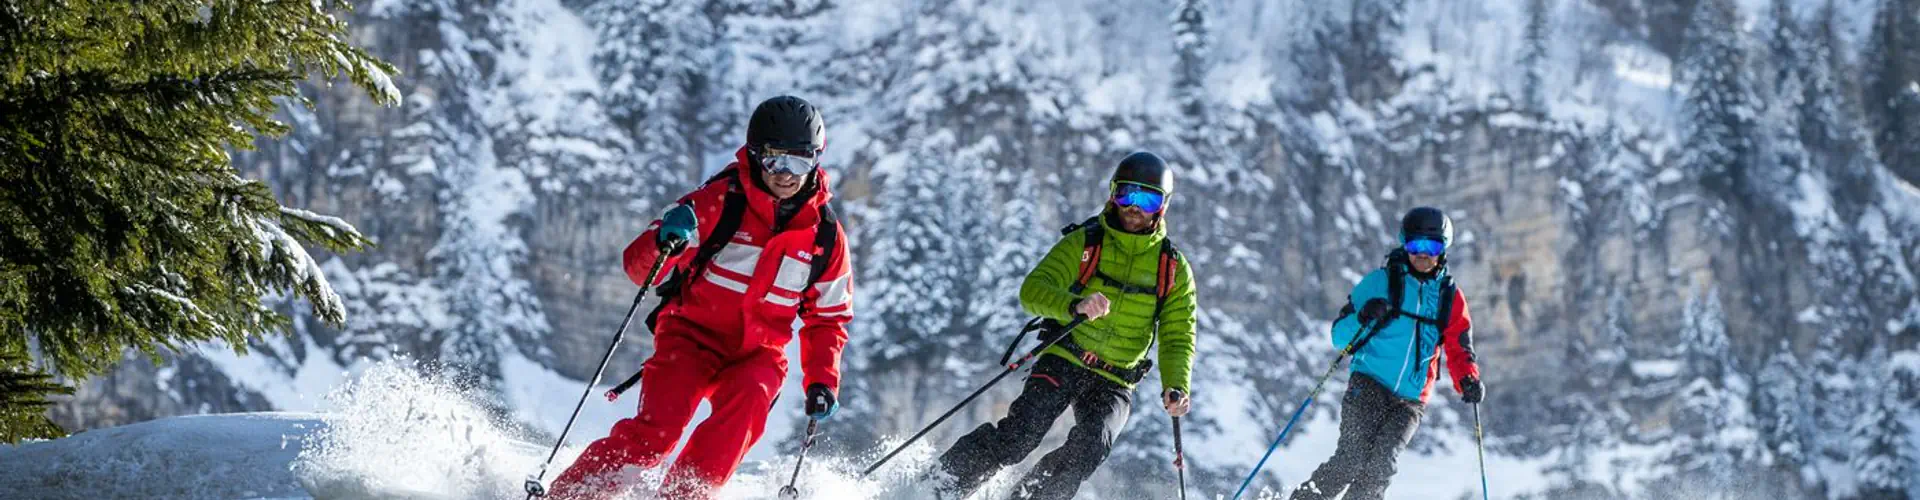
392	432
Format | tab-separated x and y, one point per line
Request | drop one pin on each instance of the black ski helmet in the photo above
1426	222
788	123
1145	169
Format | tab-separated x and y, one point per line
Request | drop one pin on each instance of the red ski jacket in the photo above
752	290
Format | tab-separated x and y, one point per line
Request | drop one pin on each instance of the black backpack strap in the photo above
826	236
731	211
1396	281
1396	291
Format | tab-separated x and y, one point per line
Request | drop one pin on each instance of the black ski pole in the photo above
621	388
1344	353
1480	448
1011	367
1179	458
789	492
534	486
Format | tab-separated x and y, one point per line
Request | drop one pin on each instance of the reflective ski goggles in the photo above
1426	247
792	162
1145	198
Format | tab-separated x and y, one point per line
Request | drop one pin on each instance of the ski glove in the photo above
677	228
1373	311
820	402
1471	390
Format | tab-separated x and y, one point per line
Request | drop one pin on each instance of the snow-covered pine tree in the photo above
1881	453
766	49
1783	412
1835	401
399	307
1533	55
479	198
1314	35
654	58
1787	50
1192	45
918	282
1891	65
1782	154
589	187
477	259
1903	135
1712	417
125	227
1835	137
1720	105
961	83
1374	30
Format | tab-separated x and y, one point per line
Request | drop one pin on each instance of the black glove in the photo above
1471	390
820	402
1373	311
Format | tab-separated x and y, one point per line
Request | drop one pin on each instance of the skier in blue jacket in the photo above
1398	358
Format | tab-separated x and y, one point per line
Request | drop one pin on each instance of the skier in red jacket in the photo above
721	332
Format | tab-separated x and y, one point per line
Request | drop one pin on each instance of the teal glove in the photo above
677	228
821	402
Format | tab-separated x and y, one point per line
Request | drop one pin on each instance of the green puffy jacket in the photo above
1123	335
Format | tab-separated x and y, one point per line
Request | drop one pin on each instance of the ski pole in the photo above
621	388
1011	367
789	492
1179	458
1317	386
1480	448
534	486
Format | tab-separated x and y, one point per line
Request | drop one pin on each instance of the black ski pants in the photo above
1375	425
1100	409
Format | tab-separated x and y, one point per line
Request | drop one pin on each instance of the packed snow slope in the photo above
394	433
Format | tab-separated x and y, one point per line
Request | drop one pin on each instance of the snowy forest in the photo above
1689	229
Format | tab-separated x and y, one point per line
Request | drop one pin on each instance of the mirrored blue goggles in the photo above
797	162
1135	195
1426	247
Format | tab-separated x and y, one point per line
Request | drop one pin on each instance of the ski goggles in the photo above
1426	247
791	162
1145	198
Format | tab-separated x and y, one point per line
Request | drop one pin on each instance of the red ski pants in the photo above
680	374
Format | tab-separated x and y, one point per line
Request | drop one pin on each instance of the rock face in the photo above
1646	321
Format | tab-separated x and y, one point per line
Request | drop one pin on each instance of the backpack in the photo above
1089	271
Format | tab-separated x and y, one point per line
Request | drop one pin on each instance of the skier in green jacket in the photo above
1136	288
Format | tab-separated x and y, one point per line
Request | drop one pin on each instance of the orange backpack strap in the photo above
1164	280
1089	253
